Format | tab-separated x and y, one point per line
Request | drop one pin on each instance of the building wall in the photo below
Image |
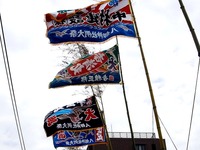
126	144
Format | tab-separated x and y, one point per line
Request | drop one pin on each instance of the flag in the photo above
95	23
65	138
81	115
99	68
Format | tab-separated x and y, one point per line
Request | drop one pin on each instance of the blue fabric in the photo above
88	33
81	138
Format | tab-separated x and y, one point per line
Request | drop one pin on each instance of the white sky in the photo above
170	54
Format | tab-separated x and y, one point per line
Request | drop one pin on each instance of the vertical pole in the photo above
198	50
104	122
127	109
11	88
162	145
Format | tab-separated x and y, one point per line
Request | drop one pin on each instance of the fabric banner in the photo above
77	116
95	23
99	68
65	138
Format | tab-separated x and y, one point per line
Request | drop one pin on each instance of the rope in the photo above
193	106
168	133
11	88
191	113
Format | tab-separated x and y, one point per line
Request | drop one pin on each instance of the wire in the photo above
11	88
168	133
193	106
191	113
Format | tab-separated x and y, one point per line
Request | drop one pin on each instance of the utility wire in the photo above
11	88
193	106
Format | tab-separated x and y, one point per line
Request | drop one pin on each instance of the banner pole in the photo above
190	27
162	145
109	145
127	109
11	87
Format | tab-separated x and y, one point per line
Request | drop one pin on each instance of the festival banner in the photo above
65	138
95	23
99	68
81	115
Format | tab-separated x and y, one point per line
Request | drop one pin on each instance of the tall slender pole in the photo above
198	50
126	103
162	145
196	44
104	122
11	88
190	27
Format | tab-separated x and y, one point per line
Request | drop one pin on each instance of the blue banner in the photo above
95	23
79	138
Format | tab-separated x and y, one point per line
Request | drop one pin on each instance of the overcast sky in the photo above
170	54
